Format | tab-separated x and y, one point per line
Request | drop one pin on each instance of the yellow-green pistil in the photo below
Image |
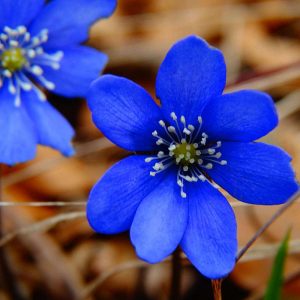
13	59
186	153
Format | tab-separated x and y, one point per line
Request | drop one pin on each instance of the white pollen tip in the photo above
182	119
154	133
200	119
185	168
152	174
191	127
209	166
7	73
186	131
148	159
195	145
172	147
188	147
157	167
180	183
202	178
189	178
219	143
171	129
183	141
192	160
200	161
218	155
22	29
198	152
173	116
37	70
160	154
13	43
162	123
183	194
211	151
50	85
223	162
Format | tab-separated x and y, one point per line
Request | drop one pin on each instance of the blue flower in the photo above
40	48
165	193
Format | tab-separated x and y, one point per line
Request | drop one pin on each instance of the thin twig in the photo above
217	289
43	225
43	204
280	211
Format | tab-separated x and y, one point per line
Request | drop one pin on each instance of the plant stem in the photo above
217	289
175	276
262	229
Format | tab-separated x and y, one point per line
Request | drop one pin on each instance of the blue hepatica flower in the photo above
40	48
166	192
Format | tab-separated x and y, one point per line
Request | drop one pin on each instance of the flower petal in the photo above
210	240
255	173
18	137
240	116
191	74
68	21
114	199
52	128
124	112
14	13
160	221
79	66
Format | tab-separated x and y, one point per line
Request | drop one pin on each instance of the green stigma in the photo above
186	153
13	59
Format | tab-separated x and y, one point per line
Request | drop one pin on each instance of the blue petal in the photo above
240	116
52	128
255	173
210	240
18	138
18	12
191	74
114	199
124	112
160	221
68	21
79	66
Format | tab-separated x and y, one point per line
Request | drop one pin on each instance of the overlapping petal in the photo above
68	21
52	128
114	199
191	74
240	116
210	241
160	221
79	66
14	13
18	137
124	112
255	173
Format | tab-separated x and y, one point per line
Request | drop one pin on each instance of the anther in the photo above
173	116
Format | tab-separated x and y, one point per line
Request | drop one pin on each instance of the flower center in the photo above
13	59
188	148
186	153
22	58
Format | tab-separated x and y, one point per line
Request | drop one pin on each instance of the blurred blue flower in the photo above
166	193
40	48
